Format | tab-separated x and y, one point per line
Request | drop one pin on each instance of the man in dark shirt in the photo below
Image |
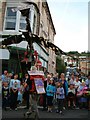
28	87
5	95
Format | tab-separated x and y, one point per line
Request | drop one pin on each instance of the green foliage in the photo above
60	65
86	54
76	53
73	52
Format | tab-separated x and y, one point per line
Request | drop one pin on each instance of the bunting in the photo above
31	39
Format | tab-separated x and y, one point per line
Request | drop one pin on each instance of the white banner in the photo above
36	73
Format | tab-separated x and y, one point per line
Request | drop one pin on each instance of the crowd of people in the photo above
14	90
67	94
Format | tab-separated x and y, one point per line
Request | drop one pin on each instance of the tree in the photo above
60	65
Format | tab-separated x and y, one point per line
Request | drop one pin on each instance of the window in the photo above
10	20
23	21
34	23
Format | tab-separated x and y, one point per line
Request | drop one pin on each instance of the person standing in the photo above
46	82
60	97
5	95
27	88
14	88
87	81
81	95
55	77
88	85
77	84
71	96
50	90
4	77
20	93
72	80
65	86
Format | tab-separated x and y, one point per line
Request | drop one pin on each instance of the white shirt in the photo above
71	90
71	81
77	83
15	84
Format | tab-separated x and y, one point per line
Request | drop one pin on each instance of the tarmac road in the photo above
77	113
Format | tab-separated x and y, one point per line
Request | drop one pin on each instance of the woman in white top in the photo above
72	80
77	82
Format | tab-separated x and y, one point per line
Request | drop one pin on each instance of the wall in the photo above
44	28
47	32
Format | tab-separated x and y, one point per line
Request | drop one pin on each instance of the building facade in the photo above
13	23
48	32
84	63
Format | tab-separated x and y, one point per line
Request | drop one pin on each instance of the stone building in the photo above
84	64
12	23
47	31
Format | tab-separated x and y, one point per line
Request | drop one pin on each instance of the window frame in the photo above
11	5
18	15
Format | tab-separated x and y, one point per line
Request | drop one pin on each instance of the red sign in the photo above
36	54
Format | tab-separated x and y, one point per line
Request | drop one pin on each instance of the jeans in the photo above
60	104
19	97
13	99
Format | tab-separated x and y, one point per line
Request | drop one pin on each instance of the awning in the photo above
22	44
4	54
15	39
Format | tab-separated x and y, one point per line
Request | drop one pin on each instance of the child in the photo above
71	96
20	93
60	97
50	90
14	88
80	94
5	95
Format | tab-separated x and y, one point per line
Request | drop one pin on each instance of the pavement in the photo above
75	114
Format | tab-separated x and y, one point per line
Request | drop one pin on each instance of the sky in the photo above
70	18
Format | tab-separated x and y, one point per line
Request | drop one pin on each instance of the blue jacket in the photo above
65	86
61	94
50	90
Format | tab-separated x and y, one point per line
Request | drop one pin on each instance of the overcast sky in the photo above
70	18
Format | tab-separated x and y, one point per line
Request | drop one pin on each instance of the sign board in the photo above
36	73
39	85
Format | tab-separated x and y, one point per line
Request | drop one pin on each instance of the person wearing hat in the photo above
50	90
